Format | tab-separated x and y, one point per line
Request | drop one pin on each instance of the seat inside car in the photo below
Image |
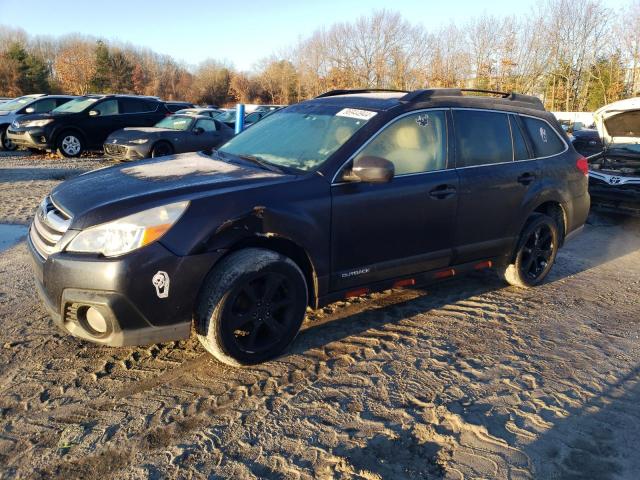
412	150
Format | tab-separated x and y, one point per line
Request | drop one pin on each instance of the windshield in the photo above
301	137
632	149
228	116
15	104
175	122
75	106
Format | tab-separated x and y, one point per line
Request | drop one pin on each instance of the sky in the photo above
240	32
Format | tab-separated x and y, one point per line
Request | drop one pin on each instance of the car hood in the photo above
113	192
619	122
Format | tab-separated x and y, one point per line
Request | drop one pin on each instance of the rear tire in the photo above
70	144
251	307
535	253
161	149
5	143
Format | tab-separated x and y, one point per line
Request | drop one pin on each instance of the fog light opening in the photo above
96	321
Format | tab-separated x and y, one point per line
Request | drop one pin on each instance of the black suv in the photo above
348	193
85	123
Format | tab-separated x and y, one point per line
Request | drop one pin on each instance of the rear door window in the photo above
135	105
520	151
482	138
544	139
414	144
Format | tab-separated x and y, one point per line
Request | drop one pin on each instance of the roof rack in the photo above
428	94
333	93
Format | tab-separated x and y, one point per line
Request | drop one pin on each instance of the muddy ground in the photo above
467	379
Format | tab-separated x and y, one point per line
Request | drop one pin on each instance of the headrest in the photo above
342	134
407	137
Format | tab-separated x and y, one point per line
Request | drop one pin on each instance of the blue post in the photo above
239	117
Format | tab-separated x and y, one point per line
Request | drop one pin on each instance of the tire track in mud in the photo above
489	369
297	377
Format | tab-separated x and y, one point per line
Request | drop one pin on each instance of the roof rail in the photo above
427	94
333	93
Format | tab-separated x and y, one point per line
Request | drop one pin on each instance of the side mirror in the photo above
198	130
29	110
94	113
371	170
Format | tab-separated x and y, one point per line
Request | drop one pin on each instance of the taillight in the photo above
583	166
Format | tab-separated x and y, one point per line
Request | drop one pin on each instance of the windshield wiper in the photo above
261	162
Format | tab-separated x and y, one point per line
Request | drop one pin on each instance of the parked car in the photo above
10	111
268	108
173	134
587	141
209	112
173	107
614	174
344	194
85	123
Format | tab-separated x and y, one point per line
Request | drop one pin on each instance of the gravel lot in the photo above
468	379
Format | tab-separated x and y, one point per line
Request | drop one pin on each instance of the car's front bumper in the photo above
32	137
615	193
127	152
122	290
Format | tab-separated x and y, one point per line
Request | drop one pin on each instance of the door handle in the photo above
442	191
526	178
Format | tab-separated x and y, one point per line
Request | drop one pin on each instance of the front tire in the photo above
5	143
70	145
535	254
251	307
161	149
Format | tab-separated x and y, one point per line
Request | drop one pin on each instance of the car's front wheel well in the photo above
291	250
556	211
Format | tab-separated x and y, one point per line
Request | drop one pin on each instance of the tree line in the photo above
573	56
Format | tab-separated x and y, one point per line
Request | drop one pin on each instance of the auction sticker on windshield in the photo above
356	113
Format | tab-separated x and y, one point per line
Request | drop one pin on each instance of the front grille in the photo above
117	151
47	228
71	312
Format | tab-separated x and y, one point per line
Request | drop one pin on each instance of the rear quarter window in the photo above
544	139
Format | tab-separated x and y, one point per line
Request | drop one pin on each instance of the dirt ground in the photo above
468	379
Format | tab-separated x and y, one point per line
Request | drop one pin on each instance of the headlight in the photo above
36	123
139	141
128	233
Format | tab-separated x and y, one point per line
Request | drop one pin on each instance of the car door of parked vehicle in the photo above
208	138
496	171
98	127
402	227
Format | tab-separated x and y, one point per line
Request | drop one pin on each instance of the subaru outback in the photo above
351	192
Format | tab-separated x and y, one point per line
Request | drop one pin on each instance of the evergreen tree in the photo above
32	71
101	82
606	81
